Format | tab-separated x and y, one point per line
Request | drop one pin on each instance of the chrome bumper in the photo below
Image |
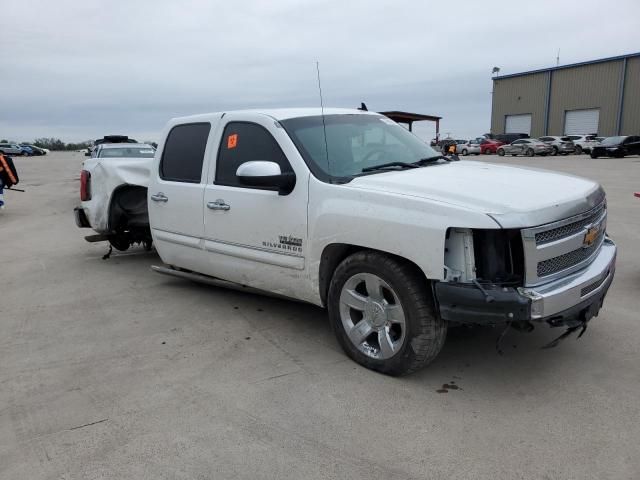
557	296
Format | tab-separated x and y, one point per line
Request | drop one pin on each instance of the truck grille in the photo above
556	249
569	229
568	260
595	285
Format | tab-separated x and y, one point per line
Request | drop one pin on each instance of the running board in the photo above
216	282
96	238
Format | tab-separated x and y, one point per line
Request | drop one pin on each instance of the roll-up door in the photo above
581	122
518	124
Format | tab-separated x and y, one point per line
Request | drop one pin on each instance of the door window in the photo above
183	153
245	142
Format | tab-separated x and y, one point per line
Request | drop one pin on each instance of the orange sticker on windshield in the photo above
232	141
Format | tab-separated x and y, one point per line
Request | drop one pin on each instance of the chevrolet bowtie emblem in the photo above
591	236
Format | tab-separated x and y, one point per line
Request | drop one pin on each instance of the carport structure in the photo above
409	118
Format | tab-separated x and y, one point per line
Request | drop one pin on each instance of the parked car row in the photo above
22	149
617	146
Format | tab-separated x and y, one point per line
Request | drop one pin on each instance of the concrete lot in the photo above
108	370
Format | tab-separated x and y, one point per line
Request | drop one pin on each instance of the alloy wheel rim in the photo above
372	316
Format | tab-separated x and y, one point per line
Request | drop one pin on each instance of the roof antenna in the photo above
363	107
324	126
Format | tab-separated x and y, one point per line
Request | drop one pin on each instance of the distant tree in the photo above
50	143
4	141
79	146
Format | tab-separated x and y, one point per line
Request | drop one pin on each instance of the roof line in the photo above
571	65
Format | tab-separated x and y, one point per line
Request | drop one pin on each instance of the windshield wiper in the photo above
389	165
424	161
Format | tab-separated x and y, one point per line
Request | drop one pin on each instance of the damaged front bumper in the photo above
568	301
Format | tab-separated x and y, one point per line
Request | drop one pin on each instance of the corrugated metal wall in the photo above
631	105
588	86
526	94
594	85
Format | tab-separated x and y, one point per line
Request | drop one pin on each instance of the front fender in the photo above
407	226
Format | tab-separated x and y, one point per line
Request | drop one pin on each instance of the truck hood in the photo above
515	197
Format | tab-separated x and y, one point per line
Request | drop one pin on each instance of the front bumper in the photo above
567	301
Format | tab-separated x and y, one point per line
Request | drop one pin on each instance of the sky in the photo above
82	69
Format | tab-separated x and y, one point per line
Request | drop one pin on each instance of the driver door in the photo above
253	235
517	147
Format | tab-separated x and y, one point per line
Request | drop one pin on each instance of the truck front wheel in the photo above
382	313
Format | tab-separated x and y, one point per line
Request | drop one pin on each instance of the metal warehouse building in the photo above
600	96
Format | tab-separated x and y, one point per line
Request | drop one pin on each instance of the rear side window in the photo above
245	142
183	153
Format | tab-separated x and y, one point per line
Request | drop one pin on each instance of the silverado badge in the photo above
591	236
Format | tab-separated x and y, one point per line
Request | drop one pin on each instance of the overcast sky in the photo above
85	68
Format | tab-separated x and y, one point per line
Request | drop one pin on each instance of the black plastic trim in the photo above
466	303
81	218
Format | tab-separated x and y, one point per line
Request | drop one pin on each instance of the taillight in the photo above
85	185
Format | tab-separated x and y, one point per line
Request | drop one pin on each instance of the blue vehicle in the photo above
28	151
34	150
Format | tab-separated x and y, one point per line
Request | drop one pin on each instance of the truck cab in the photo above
347	210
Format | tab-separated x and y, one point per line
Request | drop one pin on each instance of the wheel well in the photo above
128	208
335	253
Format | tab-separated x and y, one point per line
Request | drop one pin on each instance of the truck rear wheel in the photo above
383	315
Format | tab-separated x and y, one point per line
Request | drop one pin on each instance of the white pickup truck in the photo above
347	210
113	194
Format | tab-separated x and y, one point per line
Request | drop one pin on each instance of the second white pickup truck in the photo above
347	210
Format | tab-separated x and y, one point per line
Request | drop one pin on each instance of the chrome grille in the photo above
595	285
568	260
557	249
569	229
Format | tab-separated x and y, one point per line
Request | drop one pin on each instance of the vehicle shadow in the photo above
468	351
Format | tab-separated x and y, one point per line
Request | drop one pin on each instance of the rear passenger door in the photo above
176	190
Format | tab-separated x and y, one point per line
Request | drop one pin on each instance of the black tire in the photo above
530	152
555	151
424	330
465	152
593	154
578	150
501	152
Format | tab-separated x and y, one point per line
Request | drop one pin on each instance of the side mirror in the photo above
260	173
87	154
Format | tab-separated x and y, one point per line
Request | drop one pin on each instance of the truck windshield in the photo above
354	142
129	152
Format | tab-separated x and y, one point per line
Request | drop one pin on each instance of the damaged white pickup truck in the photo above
348	210
113	192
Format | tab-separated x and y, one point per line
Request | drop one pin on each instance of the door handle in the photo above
159	197
218	205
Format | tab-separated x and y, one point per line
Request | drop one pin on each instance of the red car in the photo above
489	145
